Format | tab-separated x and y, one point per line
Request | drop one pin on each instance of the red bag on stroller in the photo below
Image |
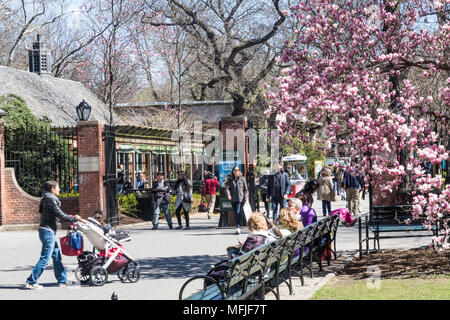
66	246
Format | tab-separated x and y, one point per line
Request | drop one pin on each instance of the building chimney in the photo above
39	57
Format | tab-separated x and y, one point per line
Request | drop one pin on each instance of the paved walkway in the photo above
167	259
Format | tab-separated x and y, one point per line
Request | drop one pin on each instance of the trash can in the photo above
145	206
227	214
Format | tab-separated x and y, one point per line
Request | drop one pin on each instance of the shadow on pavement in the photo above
177	267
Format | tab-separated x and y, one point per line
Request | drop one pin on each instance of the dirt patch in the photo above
125	219
399	264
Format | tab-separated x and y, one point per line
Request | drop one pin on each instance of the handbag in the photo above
202	207
273	229
66	244
186	198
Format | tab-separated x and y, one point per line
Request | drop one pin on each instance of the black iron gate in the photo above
39	153
110	176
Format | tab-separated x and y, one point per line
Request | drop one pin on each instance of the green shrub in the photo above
128	205
69	195
194	208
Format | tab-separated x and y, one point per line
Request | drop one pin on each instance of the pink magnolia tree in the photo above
356	69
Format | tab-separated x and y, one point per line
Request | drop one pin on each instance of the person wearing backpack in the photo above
326	191
49	208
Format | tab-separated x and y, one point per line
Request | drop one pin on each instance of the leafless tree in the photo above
237	43
22	18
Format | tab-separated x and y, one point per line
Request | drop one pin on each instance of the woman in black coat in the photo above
237	192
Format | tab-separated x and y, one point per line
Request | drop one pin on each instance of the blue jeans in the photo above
326	206
237	208
49	249
164	206
275	202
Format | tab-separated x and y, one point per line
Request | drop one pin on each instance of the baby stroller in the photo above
94	268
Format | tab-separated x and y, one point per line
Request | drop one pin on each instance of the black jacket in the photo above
282	179
161	194
352	182
50	210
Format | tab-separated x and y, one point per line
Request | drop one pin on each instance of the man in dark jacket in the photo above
161	192
353	184
49	209
278	189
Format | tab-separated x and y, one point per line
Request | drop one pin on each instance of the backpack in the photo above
76	241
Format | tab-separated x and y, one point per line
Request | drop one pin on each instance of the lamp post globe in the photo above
83	111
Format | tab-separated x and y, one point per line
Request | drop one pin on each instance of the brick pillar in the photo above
91	167
3	196
233	138
234	127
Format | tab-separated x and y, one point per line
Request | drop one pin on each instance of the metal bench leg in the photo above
290	278
310	262
335	252
301	269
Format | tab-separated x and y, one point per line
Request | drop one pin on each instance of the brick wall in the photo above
20	208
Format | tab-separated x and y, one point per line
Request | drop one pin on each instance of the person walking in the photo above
161	197
335	175
50	209
326	191
263	184
184	199
352	184
209	192
341	189
278	189
236	191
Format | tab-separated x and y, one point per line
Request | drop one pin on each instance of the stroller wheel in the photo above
98	276
122	274
80	276
133	273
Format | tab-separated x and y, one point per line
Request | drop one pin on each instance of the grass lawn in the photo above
419	288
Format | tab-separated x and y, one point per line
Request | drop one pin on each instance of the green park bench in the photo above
253	274
388	222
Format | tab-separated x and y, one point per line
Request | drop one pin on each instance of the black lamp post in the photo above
83	111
